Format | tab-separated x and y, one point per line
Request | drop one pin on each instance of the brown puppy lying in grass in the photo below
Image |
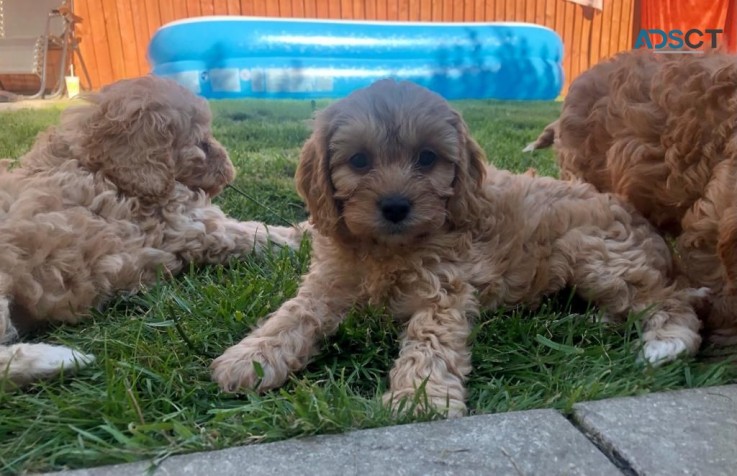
408	214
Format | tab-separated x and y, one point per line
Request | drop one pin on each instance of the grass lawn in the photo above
149	395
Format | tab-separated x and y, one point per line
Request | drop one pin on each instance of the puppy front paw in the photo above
661	351
249	366
408	400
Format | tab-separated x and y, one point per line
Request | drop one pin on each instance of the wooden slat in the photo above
346	10
371	11
115	43
194	8
88	46
469	10
179	8
127	32
207	7
509	9
498	6
595	39
447	10
403	9
359	10
414	10
142	36
166	12
530	6
233	7
219	7
576	39
322	9
616	26
246	7
426	10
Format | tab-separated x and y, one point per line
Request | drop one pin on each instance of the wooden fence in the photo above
115	33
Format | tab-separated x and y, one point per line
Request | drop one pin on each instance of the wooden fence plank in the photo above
141	36
88	46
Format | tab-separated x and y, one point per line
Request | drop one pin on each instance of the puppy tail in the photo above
21	364
545	139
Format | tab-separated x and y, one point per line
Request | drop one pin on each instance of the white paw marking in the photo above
529	147
56	357
658	352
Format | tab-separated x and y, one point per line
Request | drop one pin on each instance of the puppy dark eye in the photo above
426	159
359	161
205	146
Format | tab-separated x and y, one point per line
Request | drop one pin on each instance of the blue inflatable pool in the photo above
237	57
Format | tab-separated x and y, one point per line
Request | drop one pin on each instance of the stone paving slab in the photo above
537	442
690	432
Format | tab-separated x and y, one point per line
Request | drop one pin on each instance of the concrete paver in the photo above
533	442
685	432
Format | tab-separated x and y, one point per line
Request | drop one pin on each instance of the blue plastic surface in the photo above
237	57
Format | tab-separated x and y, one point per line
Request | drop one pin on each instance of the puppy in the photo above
409	215
661	132
117	193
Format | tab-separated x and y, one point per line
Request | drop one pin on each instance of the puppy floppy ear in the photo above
464	206
314	184
129	138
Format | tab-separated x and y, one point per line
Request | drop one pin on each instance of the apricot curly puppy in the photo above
409	215
117	193
661	131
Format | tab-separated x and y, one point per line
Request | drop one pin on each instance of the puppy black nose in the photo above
395	208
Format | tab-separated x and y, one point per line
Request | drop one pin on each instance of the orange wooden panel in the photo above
207	7
371	9
479	10
87	46
392	10
179	8
142	35
115	43
420	10
546	8
616	26
323	9
346	9
285	8
509	9
529	15
246	7
447	10
575	38
233	7
403	8
127	32
194	8
498	10
469	9
595	38
414	10
605	33
220	7
298	8
458	12
166	11
260	8
153	16
272	8
310	8
436	10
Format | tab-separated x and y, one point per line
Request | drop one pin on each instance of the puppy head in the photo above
147	133
392	163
